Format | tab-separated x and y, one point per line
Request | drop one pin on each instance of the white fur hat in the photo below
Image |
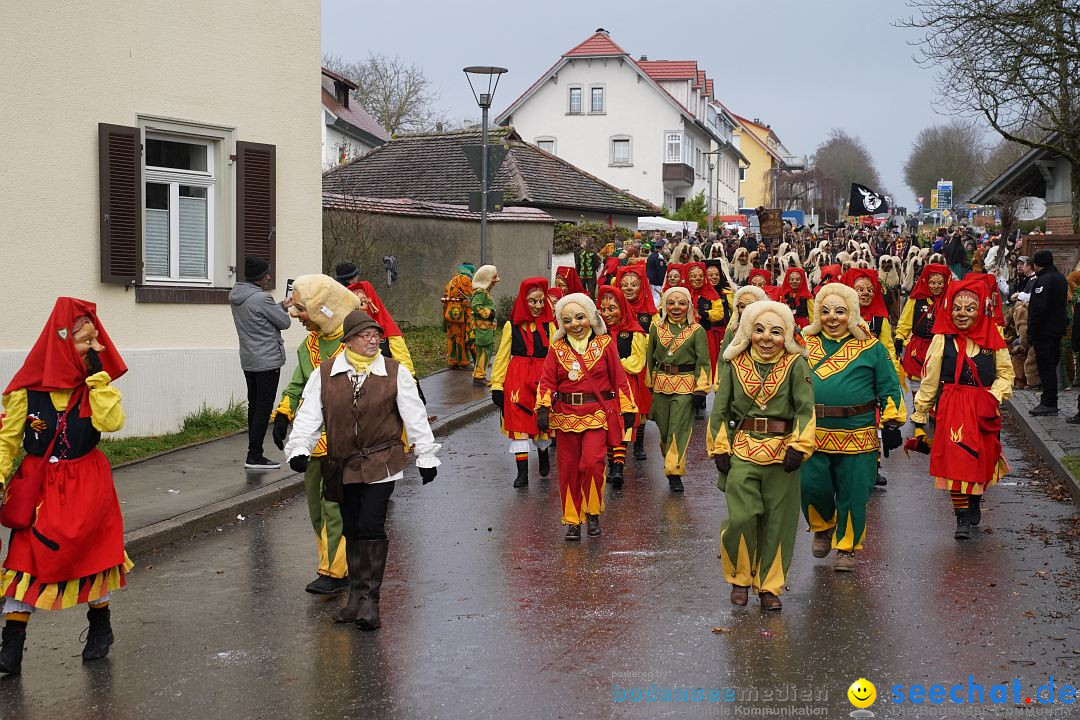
677	290
484	276
851	300
741	341
326	301
584	301
752	290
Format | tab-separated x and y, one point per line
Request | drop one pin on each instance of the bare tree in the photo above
1013	63
398	95
951	152
841	160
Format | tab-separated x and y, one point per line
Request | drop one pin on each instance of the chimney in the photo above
643	58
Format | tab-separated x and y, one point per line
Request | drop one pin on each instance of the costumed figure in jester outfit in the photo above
915	329
321	304
584	396
518	364
761	278
484	322
568	280
967	375
741	299
635	288
676	369
760	432
457	317
393	341
711	311
67	534
794	292
631	342
716	275
855	383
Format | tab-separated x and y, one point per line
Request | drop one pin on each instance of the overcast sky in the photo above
803	67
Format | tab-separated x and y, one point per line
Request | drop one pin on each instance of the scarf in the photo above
628	321
983	332
643	304
921	291
877	305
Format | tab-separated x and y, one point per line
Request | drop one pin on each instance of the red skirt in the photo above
642	396
915	356
966	444
79	530
519	394
715	337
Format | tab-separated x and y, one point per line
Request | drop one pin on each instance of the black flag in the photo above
865	201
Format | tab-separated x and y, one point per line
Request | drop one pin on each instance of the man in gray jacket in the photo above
259	321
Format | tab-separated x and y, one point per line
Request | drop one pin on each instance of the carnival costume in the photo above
457	317
745	296
725	290
972	371
635	287
515	374
761	430
914	330
677	369
631	342
584	396
568	280
853	378
321	303
484	322
67	538
798	299
393	342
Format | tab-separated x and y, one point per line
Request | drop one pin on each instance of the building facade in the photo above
161	175
348	130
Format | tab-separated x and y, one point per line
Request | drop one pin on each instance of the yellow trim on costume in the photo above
817	522
760	451
683	384
568	422
737	573
502	357
751	381
284	408
543	399
635	361
846	442
774	579
847	543
591	356
906	321
664	334
844	356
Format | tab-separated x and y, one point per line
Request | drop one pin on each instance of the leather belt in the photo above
843	411
767	426
676	369
582	398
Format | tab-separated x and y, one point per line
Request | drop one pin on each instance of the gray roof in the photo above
433	167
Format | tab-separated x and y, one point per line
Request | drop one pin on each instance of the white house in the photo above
648	127
348	130
173	154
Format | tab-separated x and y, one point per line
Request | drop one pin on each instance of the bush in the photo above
692	210
568	235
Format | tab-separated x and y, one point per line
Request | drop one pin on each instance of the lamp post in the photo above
709	197
483	99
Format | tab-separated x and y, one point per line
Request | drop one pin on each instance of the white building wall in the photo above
333	139
220	64
632	108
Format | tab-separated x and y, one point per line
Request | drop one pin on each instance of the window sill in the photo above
574	113
598	112
629	164
181	295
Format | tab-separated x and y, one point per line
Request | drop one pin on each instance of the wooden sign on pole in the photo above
772	223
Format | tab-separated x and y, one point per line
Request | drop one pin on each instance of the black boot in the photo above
639	445
699	407
544	461
592	523
616	475
607	473
373	554
674	483
358	583
974	511
963	527
100	636
522	478
11	651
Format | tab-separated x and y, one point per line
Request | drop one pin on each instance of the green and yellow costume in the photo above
484	323
838	478
676	367
757	539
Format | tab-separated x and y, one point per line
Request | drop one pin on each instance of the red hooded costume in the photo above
643	305
571	278
520	360
377	310
796	298
623	333
926	304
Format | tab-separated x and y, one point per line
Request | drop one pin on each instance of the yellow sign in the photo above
933	199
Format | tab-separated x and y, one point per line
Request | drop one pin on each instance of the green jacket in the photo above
483	308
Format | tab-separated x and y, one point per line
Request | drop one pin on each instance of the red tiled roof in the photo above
701	77
355	115
599	43
334	76
709	88
669	69
420	208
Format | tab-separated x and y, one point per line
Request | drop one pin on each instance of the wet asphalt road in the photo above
487	612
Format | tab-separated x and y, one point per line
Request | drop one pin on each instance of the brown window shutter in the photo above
256	206
120	173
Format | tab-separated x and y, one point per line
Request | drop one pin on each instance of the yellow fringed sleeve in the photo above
106	412
502	357
12	426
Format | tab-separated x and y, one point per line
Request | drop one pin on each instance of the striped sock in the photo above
618	454
518	457
959	501
17	617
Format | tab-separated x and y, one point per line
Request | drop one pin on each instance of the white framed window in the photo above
621	151
688	150
742	174
574	105
546	143
596	99
672	147
180	178
698	164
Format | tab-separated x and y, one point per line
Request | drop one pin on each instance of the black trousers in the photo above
262	391
363	510
1047	357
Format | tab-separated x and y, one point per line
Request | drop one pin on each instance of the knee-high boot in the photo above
374	563
358	583
11	650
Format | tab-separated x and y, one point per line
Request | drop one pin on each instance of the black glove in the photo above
920	426
723	463
420	392
542	419
93	362
703	307
281	429
299	463
497	399
628	420
792	460
890	437
428	474
898	346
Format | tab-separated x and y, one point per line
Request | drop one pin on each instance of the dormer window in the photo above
341	94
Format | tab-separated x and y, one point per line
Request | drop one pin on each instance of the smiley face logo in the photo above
862	693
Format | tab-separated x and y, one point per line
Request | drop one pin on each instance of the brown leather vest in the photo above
363	441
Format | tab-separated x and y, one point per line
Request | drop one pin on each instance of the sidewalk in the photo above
175	495
1052	437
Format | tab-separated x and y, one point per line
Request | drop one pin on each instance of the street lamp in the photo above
709	207
483	99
